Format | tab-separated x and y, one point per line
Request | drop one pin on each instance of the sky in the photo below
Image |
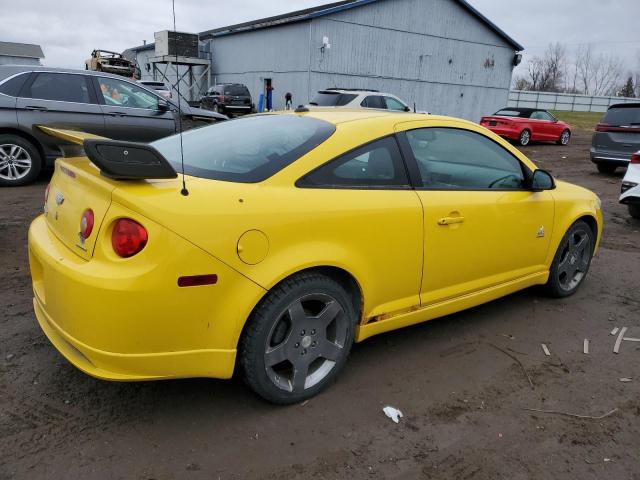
68	30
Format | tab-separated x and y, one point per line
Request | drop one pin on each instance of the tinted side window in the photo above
61	87
12	86
393	104
453	159
541	116
376	165
374	101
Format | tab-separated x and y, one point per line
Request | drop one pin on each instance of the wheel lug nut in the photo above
313	332
303	332
297	345
314	344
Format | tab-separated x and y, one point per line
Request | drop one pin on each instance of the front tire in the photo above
606	168
572	260
525	138
634	211
298	339
564	138
20	161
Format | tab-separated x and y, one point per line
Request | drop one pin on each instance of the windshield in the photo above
622	116
236	90
246	150
332	99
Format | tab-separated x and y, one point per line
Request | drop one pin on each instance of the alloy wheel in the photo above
15	162
574	260
564	139
525	137
305	343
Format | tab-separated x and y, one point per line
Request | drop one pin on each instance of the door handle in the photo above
35	108
116	114
450	220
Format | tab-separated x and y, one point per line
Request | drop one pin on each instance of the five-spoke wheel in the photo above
572	260
298	338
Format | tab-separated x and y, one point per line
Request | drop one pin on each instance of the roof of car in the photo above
625	105
9	70
523	110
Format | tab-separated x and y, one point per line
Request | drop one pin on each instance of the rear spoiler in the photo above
116	159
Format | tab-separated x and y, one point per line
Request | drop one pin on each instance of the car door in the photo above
370	204
482	226
61	100
545	126
133	113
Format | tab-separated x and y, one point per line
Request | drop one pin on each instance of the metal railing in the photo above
566	102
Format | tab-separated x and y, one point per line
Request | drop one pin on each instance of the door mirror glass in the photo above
542	180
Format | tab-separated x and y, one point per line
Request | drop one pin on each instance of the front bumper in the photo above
124	321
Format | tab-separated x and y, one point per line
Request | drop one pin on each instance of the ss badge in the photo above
541	232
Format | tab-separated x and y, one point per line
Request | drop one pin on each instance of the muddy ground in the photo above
464	401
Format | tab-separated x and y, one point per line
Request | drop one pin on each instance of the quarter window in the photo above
375	165
123	94
374	101
455	159
393	104
60	87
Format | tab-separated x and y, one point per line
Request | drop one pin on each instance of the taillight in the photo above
86	223
635	158
128	238
603	127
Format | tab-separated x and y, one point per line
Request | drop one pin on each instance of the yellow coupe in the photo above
296	235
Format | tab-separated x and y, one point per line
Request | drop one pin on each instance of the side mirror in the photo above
163	105
542	180
407	109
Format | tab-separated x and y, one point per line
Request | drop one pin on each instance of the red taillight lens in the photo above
46	194
635	158
128	238
86	223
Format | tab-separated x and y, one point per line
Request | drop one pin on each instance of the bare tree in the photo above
546	73
597	74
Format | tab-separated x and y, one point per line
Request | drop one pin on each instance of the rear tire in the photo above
297	339
525	138
572	261
606	168
565	136
634	211
20	161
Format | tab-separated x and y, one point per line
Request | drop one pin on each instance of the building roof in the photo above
25	50
331	8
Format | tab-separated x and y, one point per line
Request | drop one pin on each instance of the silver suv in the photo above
617	137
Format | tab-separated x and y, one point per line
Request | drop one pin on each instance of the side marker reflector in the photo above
197	280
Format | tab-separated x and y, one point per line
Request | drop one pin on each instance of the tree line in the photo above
584	72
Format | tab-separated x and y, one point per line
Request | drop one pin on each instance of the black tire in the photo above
564	139
634	211
278	334
606	168
525	138
572	261
14	167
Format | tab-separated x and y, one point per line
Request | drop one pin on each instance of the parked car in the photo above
228	98
630	194
94	102
301	233
159	87
525	125
350	98
110	62
617	137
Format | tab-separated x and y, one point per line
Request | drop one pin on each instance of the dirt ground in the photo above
463	400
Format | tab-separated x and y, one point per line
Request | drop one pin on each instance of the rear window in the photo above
509	113
237	90
622	116
12	86
61	87
332	99
246	150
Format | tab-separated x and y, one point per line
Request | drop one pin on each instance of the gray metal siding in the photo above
10	60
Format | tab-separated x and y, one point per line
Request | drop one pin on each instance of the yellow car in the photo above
293	236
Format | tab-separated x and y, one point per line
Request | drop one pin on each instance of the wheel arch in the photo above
589	218
28	137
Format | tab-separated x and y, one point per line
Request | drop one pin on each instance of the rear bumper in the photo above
617	159
505	132
126	321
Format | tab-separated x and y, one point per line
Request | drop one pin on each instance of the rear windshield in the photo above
237	90
246	150
510	113
332	99
622	116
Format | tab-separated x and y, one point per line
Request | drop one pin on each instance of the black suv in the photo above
228	98
617	137
93	102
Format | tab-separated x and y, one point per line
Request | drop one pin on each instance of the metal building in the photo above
20	54
442	55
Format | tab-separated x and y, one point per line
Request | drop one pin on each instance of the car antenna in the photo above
184	191
414	107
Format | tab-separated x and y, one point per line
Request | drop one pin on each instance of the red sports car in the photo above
525	125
